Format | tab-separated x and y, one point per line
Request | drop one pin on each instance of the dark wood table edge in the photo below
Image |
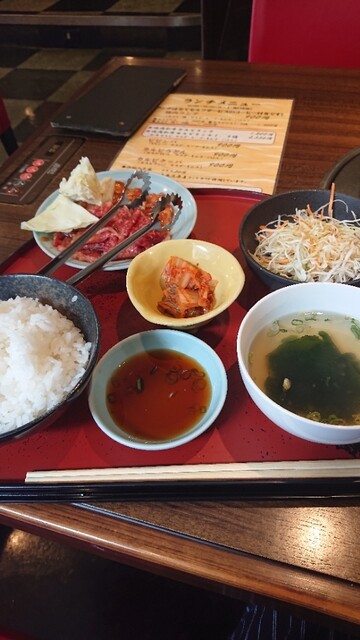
234	574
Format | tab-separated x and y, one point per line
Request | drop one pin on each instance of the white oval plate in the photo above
159	184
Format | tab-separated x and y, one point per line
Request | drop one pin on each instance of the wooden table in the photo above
304	553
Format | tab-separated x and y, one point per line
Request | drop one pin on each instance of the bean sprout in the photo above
310	246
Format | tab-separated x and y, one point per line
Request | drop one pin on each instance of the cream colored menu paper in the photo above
212	140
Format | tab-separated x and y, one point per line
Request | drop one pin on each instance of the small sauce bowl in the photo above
158	340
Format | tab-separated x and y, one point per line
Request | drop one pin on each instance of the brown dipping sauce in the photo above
157	395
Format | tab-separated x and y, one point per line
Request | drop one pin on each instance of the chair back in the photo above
305	32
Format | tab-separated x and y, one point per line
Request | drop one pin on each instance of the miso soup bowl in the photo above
309	297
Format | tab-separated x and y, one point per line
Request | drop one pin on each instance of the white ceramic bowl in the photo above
310	297
143	279
149	340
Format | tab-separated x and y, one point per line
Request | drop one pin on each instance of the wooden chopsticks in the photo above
317	479
300	469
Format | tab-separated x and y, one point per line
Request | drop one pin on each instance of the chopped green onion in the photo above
355	328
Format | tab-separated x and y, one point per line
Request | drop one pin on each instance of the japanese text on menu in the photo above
212	140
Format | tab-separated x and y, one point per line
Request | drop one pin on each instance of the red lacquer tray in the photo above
240	434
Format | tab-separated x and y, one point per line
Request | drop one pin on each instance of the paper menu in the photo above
212	140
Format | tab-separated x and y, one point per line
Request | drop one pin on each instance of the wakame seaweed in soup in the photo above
310	364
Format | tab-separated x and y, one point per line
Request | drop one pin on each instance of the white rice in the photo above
42	358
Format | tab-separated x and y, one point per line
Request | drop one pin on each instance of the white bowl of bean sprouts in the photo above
303	236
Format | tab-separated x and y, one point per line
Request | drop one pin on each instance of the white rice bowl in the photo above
43	355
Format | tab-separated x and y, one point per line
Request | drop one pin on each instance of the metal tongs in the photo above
154	223
56	262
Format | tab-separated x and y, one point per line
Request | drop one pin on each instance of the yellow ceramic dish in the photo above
143	279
